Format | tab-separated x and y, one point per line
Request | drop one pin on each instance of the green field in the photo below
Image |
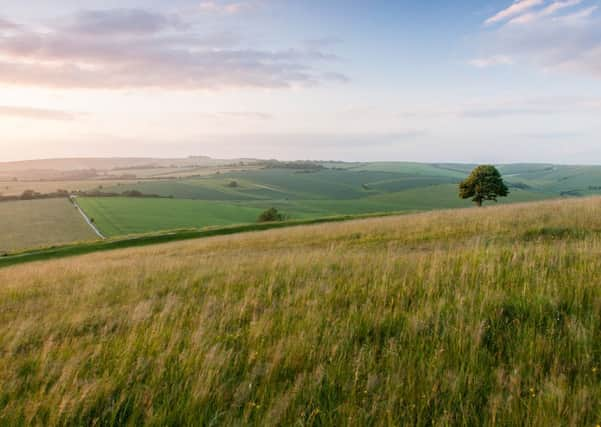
116	216
35	223
341	189
467	317
286	184
347	181
120	216
338	189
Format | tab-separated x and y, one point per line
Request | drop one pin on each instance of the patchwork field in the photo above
224	195
116	216
467	317
362	182
352	189
34	223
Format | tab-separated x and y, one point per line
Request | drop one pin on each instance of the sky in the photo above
471	81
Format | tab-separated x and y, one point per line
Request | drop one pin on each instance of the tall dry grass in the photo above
473	317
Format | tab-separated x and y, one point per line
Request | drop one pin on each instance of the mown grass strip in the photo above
83	248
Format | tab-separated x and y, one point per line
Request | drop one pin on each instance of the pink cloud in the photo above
517	8
552	38
230	8
122	48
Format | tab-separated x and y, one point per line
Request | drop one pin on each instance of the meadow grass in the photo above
469	317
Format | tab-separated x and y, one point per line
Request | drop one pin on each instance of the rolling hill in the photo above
199	196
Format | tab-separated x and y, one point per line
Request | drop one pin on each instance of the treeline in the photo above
128	193
34	195
60	194
304	165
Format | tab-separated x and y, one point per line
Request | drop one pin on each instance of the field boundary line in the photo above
108	244
85	217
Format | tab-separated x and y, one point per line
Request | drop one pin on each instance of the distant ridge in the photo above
108	163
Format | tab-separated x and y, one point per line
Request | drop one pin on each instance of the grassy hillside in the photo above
479	316
353	183
34	223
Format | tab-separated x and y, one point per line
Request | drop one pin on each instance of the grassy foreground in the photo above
466	317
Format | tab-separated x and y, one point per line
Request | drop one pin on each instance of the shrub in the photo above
271	215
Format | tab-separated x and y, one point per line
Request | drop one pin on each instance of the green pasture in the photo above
116	216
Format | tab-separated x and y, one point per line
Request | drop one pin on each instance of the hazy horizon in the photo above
185	157
468	82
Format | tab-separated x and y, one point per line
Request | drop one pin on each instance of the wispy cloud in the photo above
549	10
36	113
559	5
560	35
552	135
245	115
7	25
517	8
322	42
580	15
508	108
133	48
491	61
122	21
229	8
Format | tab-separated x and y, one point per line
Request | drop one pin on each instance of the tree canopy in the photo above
271	215
484	183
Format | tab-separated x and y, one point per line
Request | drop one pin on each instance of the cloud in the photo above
559	5
250	115
491	61
551	9
122	21
7	25
517	8
484	112
552	135
228	8
580	15
122	49
507	108
559	37
335	77
322	42
35	113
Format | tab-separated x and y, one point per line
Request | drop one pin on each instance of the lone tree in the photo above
484	183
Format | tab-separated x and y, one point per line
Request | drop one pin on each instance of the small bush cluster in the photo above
271	215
